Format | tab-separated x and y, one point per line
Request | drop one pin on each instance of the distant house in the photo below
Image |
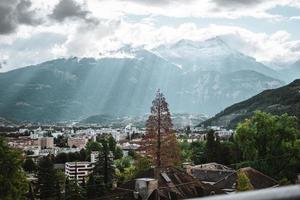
46	142
168	184
77	142
224	178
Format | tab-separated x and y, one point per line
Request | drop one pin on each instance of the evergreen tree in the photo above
46	178
160	142
29	165
73	191
103	173
118	153
213	147
12	179
243	182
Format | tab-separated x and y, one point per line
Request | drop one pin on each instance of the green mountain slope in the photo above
277	101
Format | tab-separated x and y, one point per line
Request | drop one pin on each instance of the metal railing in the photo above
279	193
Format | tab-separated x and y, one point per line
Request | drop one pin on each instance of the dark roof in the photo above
171	182
258	180
211	172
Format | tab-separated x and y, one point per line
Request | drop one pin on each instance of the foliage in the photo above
73	191
185	151
60	181
46	178
92	146
160	142
198	152
142	164
110	142
29	165
101	179
118	153
125	170
212	147
12	179
243	182
71	157
270	138
60	141
61	158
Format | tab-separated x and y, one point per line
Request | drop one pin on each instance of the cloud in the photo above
69	9
14	13
159	2
238	3
2	64
294	18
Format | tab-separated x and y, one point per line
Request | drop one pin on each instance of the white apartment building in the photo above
78	170
94	156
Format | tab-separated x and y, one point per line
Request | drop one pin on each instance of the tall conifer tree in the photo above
160	142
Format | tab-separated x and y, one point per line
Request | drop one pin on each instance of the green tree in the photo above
269	138
73	191
60	141
46	178
185	150
142	164
118	153
12	178
60	181
124	169
212	147
103	173
83	155
61	158
198	152
29	165
243	182
92	146
109	140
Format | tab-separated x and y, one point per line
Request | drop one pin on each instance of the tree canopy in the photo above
160	142
12	178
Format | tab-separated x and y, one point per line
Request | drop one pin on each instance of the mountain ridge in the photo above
276	101
76	88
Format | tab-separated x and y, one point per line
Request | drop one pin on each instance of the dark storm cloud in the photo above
156	2
237	3
68	9
16	12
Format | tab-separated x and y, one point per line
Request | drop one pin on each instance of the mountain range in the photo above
276	101
196	77
292	72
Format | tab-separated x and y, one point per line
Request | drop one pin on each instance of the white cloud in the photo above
86	40
107	28
295	18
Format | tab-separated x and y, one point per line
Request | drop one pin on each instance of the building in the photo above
46	142
94	156
78	170
210	172
22	143
225	178
127	147
163	184
77	142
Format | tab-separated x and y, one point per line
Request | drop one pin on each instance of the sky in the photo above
34	31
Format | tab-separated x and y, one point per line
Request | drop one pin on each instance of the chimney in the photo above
144	187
